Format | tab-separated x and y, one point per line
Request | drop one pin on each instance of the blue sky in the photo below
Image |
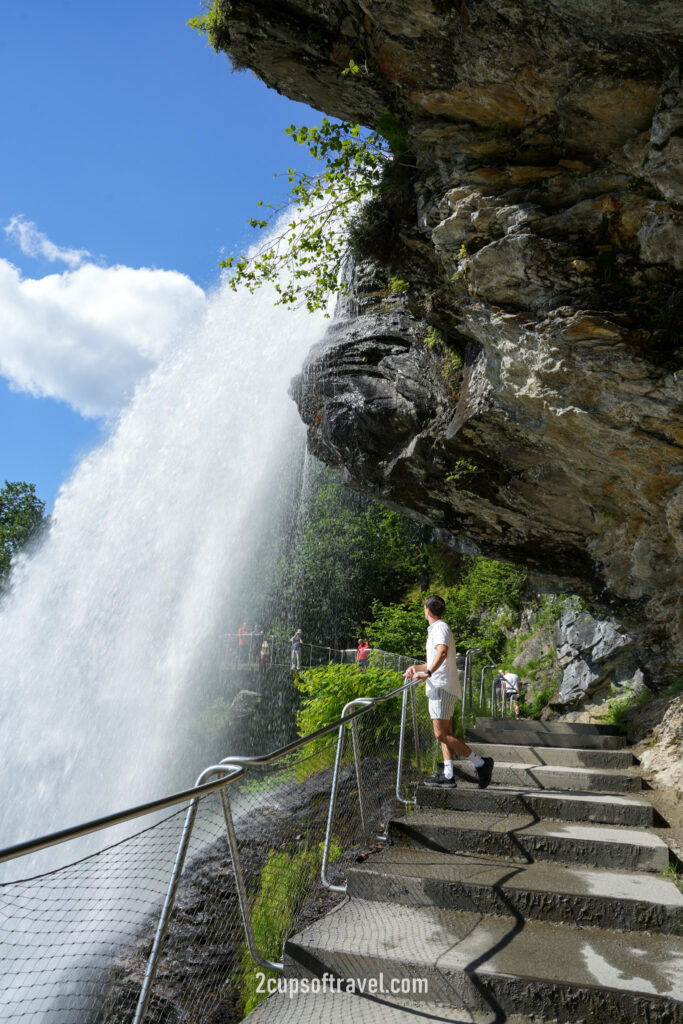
132	158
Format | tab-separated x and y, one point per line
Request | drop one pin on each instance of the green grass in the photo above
673	689
286	881
616	708
672	874
535	706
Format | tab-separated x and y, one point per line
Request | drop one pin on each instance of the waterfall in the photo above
113	626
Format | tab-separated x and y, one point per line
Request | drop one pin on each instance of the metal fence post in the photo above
416	734
330	814
241	886
153	962
401	743
482	691
359	777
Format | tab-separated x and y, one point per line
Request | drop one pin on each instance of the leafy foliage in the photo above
22	518
211	22
485	584
305	259
350	550
286	879
534	707
328	688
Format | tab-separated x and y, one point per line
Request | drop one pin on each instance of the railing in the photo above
108	900
247	650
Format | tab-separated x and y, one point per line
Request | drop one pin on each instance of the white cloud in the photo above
33	242
87	336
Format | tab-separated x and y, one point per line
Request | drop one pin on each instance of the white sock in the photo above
475	759
448	769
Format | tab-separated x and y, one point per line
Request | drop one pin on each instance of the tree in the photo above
348	551
22	519
305	260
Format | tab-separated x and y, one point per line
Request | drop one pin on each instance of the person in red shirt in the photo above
363	653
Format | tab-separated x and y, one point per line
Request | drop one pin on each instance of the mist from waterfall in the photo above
113	627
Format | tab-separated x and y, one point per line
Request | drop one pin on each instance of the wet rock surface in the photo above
524	395
596	656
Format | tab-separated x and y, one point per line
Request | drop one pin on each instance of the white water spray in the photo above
113	624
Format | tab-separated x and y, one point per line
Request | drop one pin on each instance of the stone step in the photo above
619	900
529	737
498	963
593	780
377	1004
578	728
523	837
600	808
568	757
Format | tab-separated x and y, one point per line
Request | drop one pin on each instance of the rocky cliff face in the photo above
523	395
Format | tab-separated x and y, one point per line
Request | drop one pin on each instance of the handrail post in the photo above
416	734
153	962
401	743
242	888
482	690
359	777
330	814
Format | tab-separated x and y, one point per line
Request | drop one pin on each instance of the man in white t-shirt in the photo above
510	687
443	689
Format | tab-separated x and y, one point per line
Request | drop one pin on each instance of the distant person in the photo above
264	655
443	689
363	654
297	642
256	638
510	690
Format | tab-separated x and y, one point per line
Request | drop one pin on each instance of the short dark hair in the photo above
436	605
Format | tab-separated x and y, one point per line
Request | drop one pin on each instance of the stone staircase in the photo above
541	898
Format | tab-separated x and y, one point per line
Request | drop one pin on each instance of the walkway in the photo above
543	897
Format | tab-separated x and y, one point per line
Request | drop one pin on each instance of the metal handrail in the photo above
482	692
119	817
237	766
468	680
366	703
231	769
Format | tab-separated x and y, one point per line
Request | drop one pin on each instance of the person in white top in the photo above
510	686
443	689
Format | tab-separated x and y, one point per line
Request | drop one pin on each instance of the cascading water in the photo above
114	625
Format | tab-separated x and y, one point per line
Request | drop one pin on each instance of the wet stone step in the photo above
596	780
524	838
569	757
599	808
377	1006
563	893
528	737
578	728
500	964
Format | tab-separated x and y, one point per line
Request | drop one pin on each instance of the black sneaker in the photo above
484	772
440	781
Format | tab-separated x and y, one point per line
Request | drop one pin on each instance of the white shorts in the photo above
443	705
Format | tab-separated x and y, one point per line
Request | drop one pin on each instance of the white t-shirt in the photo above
511	682
446	676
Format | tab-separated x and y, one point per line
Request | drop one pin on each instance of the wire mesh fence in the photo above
75	942
265	650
